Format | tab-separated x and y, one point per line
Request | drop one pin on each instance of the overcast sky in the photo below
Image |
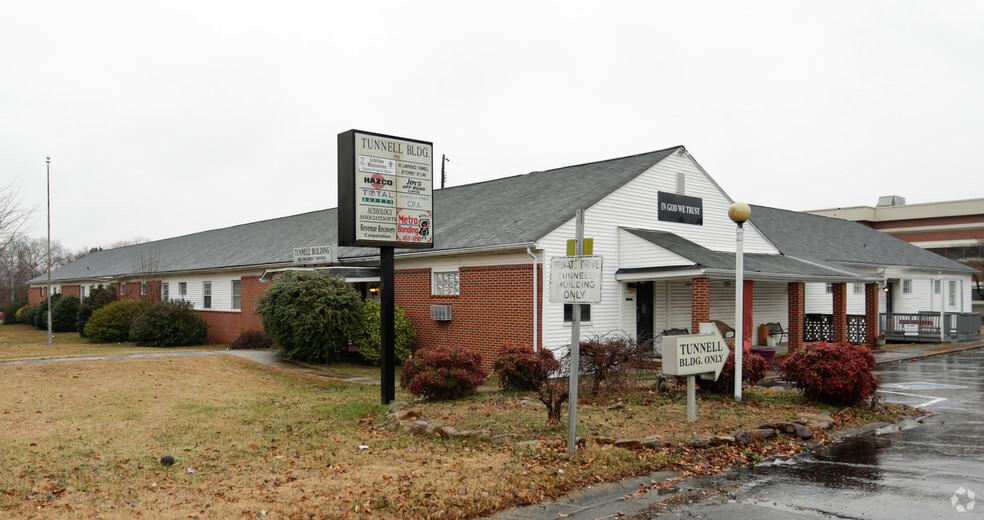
168	118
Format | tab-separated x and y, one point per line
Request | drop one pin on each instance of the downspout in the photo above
536	347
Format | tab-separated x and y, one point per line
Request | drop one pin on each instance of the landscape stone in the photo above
604	440
481	435
786	427
505	438
617	406
718	440
418	427
629	444
446	432
746	437
804	432
653	443
699	441
396	406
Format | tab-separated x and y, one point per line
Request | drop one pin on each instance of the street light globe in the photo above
739	212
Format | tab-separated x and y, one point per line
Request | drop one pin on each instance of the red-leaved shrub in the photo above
753	369
440	373
834	373
520	368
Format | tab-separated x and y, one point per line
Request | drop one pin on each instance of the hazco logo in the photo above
378	181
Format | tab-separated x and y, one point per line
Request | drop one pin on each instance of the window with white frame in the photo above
445	283
165	291
236	294
122	288
143	288
829	288
44	292
82	291
937	286
182	289
906	286
569	313
953	292
206	295
859	288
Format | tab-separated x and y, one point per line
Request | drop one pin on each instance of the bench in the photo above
775	329
676	332
727	331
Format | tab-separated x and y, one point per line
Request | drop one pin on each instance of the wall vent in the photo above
441	312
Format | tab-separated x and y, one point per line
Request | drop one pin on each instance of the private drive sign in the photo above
575	279
695	354
385	191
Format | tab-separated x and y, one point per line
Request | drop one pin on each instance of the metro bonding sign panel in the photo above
385	191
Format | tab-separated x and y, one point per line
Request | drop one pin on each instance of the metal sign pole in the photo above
575	344
691	398
386	325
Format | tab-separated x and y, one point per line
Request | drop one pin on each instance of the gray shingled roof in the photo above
756	265
809	236
513	210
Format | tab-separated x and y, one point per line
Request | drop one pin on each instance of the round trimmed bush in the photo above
41	311
833	373
169	323
112	322
98	298
753	370
521	369
441	373
368	339
63	313
310	314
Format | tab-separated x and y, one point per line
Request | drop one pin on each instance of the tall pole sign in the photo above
385	200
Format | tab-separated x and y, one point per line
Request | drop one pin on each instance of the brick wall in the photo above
700	303
223	327
870	313
840	312
797	305
494	307
250	288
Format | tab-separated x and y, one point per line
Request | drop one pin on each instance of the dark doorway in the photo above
888	297
644	311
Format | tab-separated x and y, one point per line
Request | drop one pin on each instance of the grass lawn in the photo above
19	342
82	439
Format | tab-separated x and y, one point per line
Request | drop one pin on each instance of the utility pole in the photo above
48	180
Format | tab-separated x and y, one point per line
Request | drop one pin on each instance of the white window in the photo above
165	291
829	289
206	295
937	286
122	288
859	288
953	292
445	283
236	294
44	292
569	313
143	288
906	286
82	289
182	289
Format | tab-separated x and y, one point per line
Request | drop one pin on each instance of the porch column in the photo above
870	314
700	303
797	302
840	312
746	313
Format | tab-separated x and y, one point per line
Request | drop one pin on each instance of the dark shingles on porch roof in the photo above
766	265
809	236
514	210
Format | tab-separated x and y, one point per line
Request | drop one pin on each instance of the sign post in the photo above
575	280
703	354
385	200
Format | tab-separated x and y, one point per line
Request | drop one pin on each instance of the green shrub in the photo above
252	340
112	323
753	370
25	315
63	313
440	373
41	311
834	373
169	323
310	314
368	340
521	369
10	316
98	298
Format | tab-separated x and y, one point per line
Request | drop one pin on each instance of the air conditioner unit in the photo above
441	312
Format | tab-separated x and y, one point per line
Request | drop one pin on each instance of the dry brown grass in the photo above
82	439
21	342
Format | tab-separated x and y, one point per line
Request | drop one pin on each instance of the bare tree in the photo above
14	218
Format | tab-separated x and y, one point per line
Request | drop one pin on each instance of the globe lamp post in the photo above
739	213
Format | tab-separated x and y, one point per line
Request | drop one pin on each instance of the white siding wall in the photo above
636	252
635	205
221	289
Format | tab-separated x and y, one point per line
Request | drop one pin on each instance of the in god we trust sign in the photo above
385	191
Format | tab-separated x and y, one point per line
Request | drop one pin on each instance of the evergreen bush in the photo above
252	340
441	373
98	298
368	340
25	314
833	373
41	311
112	323
310	314
10	316
753	370
64	312
521	369
169	323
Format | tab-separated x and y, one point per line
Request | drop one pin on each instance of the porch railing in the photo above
925	326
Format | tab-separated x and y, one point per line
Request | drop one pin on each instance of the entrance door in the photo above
644	311
889	286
